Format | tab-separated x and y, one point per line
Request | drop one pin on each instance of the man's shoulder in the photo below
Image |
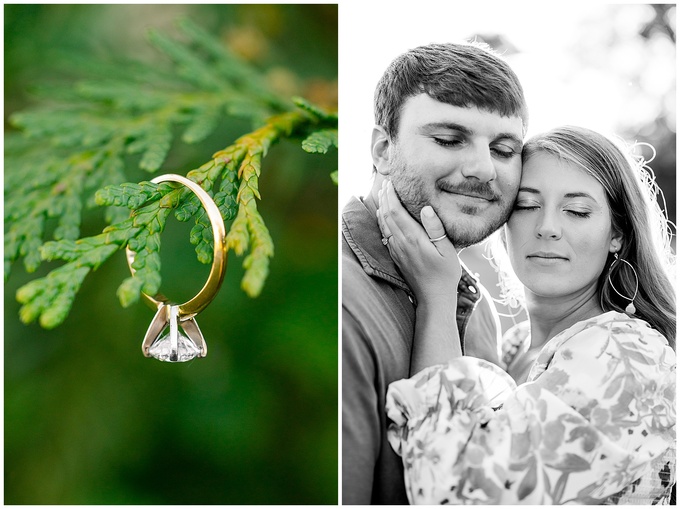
359	289
364	267
352	269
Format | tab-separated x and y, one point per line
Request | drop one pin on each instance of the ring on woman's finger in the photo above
438	238
385	240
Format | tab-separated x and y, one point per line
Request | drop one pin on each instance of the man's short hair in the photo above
464	75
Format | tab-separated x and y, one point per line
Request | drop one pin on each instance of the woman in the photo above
594	422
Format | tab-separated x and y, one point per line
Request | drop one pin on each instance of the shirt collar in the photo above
362	233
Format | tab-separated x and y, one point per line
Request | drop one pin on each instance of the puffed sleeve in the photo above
598	409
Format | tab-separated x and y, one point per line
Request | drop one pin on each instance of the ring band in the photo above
385	240
439	238
219	265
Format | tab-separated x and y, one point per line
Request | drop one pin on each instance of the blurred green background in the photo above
88	419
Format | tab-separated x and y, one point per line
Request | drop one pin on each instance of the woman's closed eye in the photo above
578	213
581	214
526	206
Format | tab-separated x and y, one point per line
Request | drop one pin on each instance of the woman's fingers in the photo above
394	219
382	222
397	218
384	228
435	230
431	222
426	258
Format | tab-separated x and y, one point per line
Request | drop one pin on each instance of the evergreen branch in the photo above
248	229
317	112
323	138
77	151
242	76
85	141
34	201
51	298
190	66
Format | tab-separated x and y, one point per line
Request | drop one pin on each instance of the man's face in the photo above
464	162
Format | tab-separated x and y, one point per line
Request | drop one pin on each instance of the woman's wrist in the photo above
438	310
438	300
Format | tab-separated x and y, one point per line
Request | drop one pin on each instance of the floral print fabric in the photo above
594	420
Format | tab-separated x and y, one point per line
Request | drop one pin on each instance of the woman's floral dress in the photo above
594	423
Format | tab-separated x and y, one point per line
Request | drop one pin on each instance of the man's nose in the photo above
479	164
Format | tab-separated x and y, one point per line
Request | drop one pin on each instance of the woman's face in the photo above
559	234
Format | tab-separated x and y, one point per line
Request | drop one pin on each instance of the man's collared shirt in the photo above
378	324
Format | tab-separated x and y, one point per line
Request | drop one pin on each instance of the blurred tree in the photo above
87	419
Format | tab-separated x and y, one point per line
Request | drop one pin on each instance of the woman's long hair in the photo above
636	216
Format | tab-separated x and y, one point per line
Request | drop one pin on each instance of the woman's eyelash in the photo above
579	214
575	213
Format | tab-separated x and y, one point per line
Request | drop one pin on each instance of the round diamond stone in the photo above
162	349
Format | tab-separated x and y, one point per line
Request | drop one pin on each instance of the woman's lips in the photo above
544	258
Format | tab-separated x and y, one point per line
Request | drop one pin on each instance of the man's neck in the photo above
550	316
371	203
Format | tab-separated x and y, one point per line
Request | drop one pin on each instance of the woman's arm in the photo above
432	270
600	416
436	338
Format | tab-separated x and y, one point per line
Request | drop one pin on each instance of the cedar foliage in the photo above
70	156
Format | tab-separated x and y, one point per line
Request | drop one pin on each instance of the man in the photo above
450	123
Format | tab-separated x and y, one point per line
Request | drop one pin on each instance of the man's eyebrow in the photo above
512	137
448	125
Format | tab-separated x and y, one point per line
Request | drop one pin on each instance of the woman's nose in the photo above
480	164
548	228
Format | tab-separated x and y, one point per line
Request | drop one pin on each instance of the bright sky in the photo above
373	32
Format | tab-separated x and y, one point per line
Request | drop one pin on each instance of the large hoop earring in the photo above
630	308
176	346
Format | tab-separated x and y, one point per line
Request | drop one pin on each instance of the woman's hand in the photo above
428	262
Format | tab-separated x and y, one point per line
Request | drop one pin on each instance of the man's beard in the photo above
410	189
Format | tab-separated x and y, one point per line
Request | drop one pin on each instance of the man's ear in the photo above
380	150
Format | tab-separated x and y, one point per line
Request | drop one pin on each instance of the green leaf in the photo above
321	141
315	110
129	291
190	66
157	149
202	126
50	298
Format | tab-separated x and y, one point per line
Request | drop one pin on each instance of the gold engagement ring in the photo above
178	346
